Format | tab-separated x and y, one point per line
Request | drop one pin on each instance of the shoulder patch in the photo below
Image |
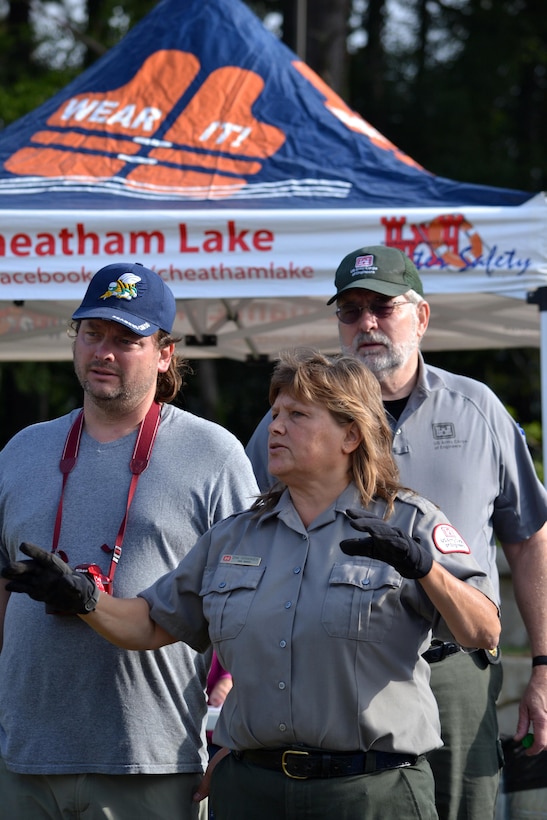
447	539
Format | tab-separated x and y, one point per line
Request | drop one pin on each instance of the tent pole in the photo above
539	297
301	28
543	371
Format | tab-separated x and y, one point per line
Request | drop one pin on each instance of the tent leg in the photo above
539	297
543	371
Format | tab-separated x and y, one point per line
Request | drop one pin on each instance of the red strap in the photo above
139	462
67	463
72	445
145	440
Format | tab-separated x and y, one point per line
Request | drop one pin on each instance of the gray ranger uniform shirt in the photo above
324	648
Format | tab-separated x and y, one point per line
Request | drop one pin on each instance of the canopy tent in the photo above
203	147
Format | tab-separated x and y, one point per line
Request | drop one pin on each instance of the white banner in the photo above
248	254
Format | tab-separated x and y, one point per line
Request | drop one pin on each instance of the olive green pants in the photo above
243	791
99	797
467	768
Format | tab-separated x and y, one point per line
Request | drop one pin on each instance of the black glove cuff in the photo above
90	604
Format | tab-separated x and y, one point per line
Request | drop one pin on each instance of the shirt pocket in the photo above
361	601
228	592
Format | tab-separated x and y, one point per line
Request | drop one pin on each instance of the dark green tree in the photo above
461	87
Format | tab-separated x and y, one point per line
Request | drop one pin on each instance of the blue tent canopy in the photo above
199	103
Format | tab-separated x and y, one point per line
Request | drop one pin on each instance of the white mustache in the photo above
375	337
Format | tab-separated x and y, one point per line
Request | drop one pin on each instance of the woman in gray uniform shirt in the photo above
330	714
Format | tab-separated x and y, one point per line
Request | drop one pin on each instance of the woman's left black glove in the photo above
385	543
46	577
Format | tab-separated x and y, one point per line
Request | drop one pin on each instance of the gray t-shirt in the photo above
457	445
324	648
69	701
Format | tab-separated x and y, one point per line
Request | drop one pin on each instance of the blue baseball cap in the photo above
132	295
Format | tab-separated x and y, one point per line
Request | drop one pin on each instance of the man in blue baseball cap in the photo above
123	488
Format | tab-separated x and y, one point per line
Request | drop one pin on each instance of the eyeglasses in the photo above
351	313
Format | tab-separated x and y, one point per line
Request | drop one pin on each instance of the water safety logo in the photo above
451	242
448	240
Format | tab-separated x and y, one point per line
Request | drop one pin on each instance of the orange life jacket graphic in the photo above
213	144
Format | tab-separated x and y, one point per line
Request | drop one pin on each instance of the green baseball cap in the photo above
384	270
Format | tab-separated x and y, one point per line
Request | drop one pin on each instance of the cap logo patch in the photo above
123	288
448	540
364	261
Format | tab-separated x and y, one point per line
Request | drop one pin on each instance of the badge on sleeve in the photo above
493	656
448	540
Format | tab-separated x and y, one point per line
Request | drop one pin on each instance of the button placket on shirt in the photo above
283	685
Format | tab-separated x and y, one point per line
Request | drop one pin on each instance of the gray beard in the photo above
391	357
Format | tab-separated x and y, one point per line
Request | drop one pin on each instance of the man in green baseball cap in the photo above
455	443
378	268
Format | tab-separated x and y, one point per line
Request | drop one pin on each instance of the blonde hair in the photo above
351	393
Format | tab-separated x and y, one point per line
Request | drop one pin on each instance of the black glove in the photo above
46	577
385	543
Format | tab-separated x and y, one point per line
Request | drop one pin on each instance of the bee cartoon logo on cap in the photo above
123	288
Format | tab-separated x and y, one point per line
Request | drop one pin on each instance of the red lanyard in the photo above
139	462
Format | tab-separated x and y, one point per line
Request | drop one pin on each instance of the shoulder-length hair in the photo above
351	393
170	382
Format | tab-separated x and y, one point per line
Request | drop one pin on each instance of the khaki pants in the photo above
99	797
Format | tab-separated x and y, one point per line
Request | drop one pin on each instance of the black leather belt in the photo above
439	650
302	764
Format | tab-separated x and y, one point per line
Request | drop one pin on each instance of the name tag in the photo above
243	560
